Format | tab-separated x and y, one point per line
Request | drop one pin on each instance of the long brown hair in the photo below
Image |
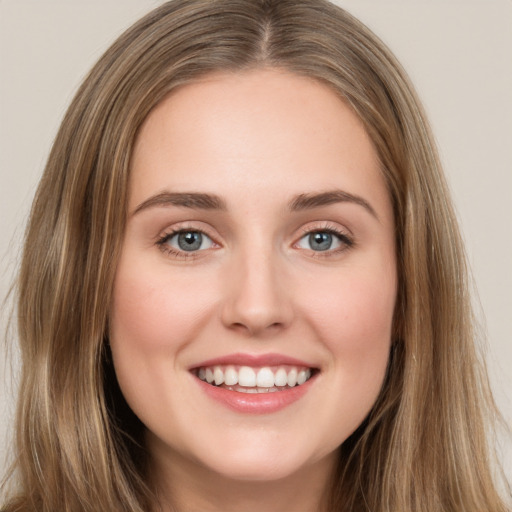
424	445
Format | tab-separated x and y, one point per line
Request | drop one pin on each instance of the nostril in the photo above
254	328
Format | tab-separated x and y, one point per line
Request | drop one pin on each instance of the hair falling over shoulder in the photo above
425	445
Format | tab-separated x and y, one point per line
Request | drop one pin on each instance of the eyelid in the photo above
187	225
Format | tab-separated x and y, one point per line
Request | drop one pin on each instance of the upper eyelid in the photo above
335	227
307	231
337	233
184	227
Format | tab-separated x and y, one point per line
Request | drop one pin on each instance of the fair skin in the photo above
266	268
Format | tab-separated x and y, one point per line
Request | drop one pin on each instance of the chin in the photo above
257	470
260	461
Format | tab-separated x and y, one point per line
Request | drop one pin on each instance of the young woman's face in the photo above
259	252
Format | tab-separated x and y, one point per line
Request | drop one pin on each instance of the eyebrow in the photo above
310	201
195	200
204	201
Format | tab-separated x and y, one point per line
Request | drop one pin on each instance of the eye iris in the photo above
320	241
190	241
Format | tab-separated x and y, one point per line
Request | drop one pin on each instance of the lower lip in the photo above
256	403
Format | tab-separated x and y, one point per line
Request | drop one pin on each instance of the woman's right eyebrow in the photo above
196	200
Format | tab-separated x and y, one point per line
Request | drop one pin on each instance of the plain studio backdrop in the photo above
457	52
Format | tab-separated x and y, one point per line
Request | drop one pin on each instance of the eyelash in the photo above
346	241
167	249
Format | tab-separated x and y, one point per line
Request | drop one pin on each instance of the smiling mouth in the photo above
247	379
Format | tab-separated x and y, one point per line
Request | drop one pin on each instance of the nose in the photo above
257	300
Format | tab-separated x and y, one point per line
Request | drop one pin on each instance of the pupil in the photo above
190	241
320	241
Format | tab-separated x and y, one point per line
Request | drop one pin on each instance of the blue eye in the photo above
320	241
188	241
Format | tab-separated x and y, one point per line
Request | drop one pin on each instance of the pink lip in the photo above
254	360
255	403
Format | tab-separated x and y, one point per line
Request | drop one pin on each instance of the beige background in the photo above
458	53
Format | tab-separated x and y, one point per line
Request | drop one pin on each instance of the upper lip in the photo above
253	360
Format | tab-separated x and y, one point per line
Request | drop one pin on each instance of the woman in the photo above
244	197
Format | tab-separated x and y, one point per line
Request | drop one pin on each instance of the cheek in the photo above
155	314
355	325
155	311
353	319
354	311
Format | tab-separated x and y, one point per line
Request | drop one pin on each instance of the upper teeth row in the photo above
250	377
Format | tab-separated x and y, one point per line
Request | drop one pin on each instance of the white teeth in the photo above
281	377
292	377
302	377
265	378
230	376
218	376
254	380
247	377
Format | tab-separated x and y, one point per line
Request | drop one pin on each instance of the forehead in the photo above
262	130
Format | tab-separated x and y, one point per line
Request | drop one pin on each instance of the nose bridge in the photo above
256	296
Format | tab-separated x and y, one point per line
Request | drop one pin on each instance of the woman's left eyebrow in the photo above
317	200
